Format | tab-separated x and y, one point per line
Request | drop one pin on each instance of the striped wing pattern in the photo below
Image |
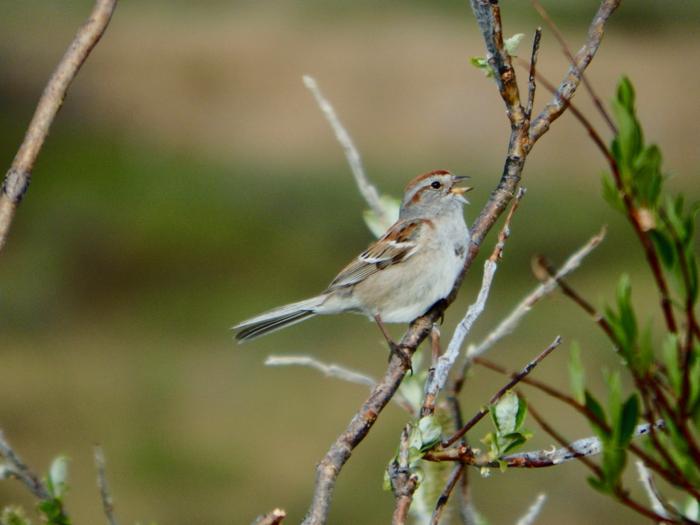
397	245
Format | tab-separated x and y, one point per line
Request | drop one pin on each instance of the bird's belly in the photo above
402	293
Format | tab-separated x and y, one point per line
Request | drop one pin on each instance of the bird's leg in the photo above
435	343
393	347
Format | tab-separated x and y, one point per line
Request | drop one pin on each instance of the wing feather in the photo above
396	246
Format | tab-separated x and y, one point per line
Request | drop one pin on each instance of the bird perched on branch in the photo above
401	275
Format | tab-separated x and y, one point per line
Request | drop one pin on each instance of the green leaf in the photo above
430	431
611	194
614	399
628	420
648	178
669	351
595	408
52	510
57	480
665	248
505	413
646	351
577	374
483	64
522	412
514	440
625	94
614	459
390	206
511	44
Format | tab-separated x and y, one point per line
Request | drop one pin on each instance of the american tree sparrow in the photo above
401	275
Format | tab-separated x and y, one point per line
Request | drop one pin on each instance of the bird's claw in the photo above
402	354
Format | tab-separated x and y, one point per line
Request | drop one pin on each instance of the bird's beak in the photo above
460	191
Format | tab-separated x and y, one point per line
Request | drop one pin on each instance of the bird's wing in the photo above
397	245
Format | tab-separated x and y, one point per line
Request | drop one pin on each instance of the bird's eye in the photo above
436	185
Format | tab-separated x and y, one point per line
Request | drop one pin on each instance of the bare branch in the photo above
511	321
403	482
334	371
531	85
457	472
534	511
368	191
514	381
565	48
652	493
567	88
16	468
488	16
273	517
18	176
328	370
106	497
581	448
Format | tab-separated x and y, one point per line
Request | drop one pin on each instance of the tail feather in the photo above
277	319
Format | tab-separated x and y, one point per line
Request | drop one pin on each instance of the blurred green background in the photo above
190	182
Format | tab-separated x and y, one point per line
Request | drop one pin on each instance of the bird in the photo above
399	277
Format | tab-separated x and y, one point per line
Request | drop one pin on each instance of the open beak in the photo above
459	191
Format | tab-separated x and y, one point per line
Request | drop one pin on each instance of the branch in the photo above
438	376
534	511
457	472
554	109
403	482
17	178
105	496
652	493
488	16
565	48
511	321
514	381
16	468
368	191
334	371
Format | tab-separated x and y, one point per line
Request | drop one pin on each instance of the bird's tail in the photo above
277	319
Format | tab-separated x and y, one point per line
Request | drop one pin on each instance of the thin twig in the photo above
652	493
511	321
551	457
446	492
447	360
334	371
565	48
367	189
531	85
567	88
274	517
17	178
619	492
105	495
19	470
534	511
673	476
403	482
508	386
